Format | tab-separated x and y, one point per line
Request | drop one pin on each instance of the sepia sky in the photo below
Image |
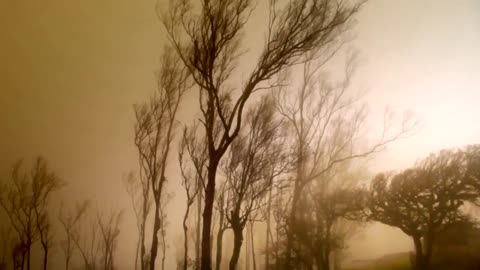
71	70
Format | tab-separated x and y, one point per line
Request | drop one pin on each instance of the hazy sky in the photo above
71	70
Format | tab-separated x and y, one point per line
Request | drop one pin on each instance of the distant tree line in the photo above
25	198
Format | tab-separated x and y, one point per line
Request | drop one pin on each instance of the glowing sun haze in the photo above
71	70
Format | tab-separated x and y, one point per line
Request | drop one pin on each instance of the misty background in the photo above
71	71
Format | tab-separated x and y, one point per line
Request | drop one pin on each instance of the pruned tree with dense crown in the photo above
424	200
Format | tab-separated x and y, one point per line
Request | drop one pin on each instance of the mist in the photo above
315	136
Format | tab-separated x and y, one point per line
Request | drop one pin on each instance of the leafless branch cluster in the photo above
209	45
154	132
326	120
254	159
25	200
70	224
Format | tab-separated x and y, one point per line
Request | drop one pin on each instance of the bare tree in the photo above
25	200
209	44
70	223
191	179
109	232
327	125
138	190
163	226
154	132
18	255
7	242
88	242
44	183
223	200
191	193
254	159
268	232
321	225
424	200
252	243
194	143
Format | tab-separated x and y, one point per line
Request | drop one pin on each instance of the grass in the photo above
399	261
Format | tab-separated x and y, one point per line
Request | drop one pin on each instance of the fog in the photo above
71	72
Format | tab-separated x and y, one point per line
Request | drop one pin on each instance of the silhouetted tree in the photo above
163	226
190	183
88	242
327	122
252	162
7	241
25	200
154	132
19	251
70	223
423	200
44	183
320	226
138	190
222	200
193	157
109	232
472	154
209	44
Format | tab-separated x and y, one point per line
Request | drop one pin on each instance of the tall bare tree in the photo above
192	153
209	44
138	190
191	192
327	125
87	240
7	242
25	200
70	223
154	132
163	226
223	200
44	183
109	232
254	159
322	225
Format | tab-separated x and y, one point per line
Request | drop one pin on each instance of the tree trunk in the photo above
45	256
164	244
428	248
156	228
29	247
137	252
247	250
420	261
237	245
218	259
267	240
185	237
291	221
252	241
206	260
67	262
143	261
199	222
327	245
